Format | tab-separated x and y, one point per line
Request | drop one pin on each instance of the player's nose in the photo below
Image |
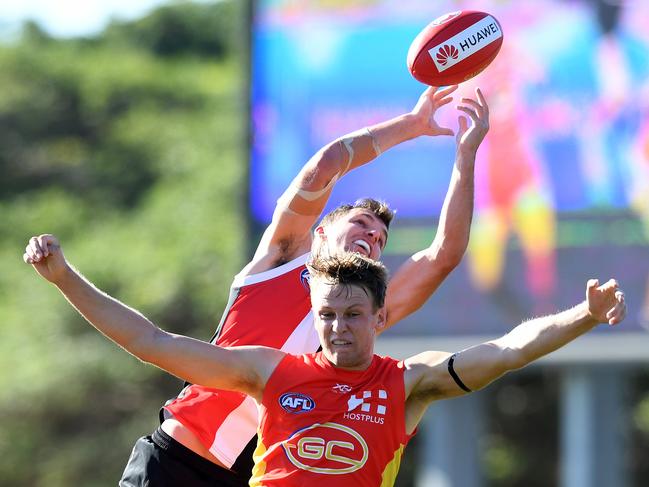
338	325
373	234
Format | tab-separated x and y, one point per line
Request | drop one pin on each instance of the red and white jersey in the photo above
323	426
272	308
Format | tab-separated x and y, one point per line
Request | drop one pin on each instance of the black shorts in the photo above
160	461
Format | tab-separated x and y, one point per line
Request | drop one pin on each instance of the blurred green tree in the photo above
134	155
183	28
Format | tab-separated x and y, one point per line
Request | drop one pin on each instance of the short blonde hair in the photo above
352	269
378	207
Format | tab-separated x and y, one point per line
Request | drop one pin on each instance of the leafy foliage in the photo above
134	156
185	28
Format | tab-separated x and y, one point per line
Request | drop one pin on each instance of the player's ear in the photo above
319	232
381	319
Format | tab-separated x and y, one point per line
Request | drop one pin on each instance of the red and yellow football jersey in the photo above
323	426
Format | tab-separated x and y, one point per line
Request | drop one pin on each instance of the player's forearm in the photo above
125	326
187	358
396	130
541	336
452	236
356	149
363	146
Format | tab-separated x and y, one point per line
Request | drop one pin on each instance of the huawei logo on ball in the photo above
446	52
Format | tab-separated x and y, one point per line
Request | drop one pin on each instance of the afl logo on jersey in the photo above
304	279
328	448
294	402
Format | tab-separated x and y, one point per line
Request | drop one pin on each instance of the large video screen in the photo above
562	180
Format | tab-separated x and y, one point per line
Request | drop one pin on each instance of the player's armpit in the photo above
425	377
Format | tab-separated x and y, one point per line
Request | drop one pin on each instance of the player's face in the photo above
360	231
347	323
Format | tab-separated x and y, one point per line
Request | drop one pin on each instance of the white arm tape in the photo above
314	195
375	143
285	200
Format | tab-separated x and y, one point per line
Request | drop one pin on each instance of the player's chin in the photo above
343	356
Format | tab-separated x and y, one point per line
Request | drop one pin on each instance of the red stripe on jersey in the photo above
267	312
271	308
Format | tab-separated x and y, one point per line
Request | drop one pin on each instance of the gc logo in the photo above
328	448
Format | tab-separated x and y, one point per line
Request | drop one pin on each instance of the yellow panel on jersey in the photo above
392	468
322	425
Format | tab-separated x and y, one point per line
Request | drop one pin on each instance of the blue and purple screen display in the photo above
562	180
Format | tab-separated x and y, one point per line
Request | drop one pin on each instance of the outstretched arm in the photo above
297	210
244	369
418	278
478	366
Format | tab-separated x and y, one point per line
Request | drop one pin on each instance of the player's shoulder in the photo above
259	270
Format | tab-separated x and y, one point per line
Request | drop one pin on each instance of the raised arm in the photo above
418	278
289	233
430	377
244	369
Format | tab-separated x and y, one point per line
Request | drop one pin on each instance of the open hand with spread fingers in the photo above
470	135
429	102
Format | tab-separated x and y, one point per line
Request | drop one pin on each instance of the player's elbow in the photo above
513	358
451	254
445	256
147	346
439	267
450	261
331	162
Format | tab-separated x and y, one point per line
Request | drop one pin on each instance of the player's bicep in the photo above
198	362
443	375
478	366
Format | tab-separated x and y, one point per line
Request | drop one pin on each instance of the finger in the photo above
591	288
475	104
30	253
44	242
617	314
463	123
428	92
48	244
470	112
444	131
482	100
35	248
616	309
443	101
443	92
27	258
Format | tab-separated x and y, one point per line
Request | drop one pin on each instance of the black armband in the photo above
456	378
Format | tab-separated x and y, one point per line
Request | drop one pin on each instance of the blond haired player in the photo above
207	435
343	415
